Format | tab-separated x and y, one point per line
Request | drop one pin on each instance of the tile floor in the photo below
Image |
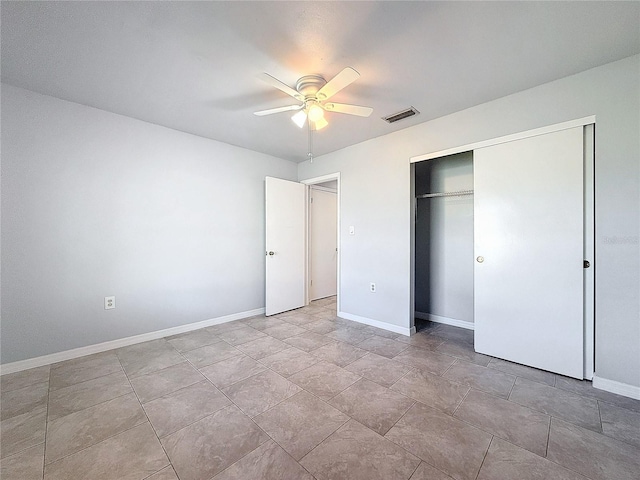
306	395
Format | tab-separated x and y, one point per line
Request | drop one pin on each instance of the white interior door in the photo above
323	253
528	245
285	207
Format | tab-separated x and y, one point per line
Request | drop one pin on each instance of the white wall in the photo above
376	191
444	238
97	204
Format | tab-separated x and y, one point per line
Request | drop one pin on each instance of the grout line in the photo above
485	457
546	449
46	427
461	402
147	417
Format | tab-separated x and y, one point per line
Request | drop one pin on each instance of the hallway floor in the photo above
306	395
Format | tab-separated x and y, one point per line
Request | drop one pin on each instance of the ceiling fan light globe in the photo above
299	118
320	124
316	113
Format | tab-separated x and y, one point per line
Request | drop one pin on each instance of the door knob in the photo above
480	259
271	254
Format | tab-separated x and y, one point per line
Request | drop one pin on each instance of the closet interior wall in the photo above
444	240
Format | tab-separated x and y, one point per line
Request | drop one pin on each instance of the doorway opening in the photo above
323	234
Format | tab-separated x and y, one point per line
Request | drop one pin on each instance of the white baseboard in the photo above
613	386
121	342
446	320
378	324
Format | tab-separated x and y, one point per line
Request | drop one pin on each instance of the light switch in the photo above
352	230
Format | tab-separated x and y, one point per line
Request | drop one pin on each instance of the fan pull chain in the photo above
310	152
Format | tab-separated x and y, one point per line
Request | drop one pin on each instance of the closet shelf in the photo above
459	193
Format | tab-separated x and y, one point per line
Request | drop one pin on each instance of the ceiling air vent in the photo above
409	112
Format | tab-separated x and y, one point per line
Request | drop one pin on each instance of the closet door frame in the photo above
589	220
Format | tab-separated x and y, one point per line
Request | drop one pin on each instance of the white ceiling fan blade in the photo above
299	118
274	82
348	109
337	83
270	111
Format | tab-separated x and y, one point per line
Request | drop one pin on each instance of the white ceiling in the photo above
192	66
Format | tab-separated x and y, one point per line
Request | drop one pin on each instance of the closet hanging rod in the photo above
446	194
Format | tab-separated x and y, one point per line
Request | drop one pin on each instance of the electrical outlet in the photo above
109	302
372	287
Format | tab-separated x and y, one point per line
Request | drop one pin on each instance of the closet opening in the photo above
443	238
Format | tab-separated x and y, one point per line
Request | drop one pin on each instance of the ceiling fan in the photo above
313	91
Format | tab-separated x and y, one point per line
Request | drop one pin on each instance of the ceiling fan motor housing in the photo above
309	86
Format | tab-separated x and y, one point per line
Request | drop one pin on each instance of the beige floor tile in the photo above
321	326
568	406
289	361
232	370
284	330
166	473
324	379
529	373
442	441
486	379
262	347
383	346
26	465
79	430
226	327
87	394
132	455
512	422
300	423
148	357
82	369
205	448
23	400
299	318
420	340
376	407
203	356
349	335
184	407
325	302
192	340
22	431
338	353
592	454
160	383
620	423
324	314
308	341
378	369
585	388
453	334
14	381
431	390
425	360
427	472
510	462
356	453
267	462
262	323
260	392
379	332
463	351
240	335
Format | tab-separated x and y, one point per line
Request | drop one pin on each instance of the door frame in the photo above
314	181
589	126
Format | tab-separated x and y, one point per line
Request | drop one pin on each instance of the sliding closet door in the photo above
528	248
